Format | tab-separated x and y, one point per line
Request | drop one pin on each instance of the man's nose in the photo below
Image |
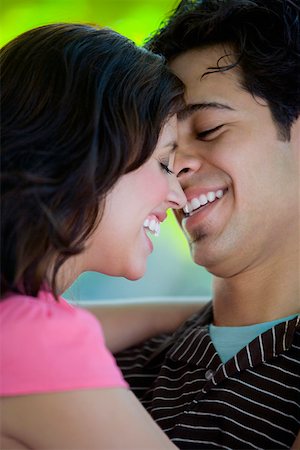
186	164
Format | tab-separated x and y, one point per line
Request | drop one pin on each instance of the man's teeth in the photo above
202	200
153	226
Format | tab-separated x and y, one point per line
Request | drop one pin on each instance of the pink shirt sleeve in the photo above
49	346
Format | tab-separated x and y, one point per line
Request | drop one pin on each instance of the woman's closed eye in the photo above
209	134
165	168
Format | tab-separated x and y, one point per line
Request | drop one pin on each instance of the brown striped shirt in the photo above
251	401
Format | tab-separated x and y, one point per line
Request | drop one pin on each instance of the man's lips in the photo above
195	202
191	220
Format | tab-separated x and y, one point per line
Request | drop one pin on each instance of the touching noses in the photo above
185	165
176	197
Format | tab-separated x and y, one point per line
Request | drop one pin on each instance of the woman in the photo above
88	138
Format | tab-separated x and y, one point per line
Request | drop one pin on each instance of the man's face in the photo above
231	160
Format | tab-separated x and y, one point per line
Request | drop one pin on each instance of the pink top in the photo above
50	346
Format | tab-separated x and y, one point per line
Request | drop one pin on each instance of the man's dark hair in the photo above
264	37
81	106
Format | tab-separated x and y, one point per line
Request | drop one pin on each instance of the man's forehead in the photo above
206	82
197	61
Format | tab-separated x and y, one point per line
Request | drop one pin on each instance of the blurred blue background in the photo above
171	272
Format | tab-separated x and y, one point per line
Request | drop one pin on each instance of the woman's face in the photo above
134	208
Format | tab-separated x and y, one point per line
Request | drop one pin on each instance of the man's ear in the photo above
295	147
295	137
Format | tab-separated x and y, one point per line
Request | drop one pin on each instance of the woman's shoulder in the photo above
44	305
44	313
50	345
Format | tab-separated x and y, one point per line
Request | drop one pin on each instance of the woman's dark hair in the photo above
263	36
81	106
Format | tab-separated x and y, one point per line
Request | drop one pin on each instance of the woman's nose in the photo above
176	196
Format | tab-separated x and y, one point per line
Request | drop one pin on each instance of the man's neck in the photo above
257	295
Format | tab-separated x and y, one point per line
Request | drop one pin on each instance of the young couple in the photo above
91	161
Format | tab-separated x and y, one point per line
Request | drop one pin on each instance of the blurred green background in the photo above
133	18
171	272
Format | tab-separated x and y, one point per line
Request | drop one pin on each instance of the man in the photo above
230	376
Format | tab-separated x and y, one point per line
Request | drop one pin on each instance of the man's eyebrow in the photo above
191	109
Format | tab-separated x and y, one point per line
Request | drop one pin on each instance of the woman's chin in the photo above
135	273
133	270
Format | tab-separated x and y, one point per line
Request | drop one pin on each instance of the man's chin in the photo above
205	256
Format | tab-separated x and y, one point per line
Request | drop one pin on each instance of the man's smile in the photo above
196	203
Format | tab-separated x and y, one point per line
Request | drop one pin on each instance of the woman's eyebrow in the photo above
192	108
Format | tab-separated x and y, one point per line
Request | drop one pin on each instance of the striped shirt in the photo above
251	401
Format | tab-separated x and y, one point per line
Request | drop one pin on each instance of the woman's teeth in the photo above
153	226
202	200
